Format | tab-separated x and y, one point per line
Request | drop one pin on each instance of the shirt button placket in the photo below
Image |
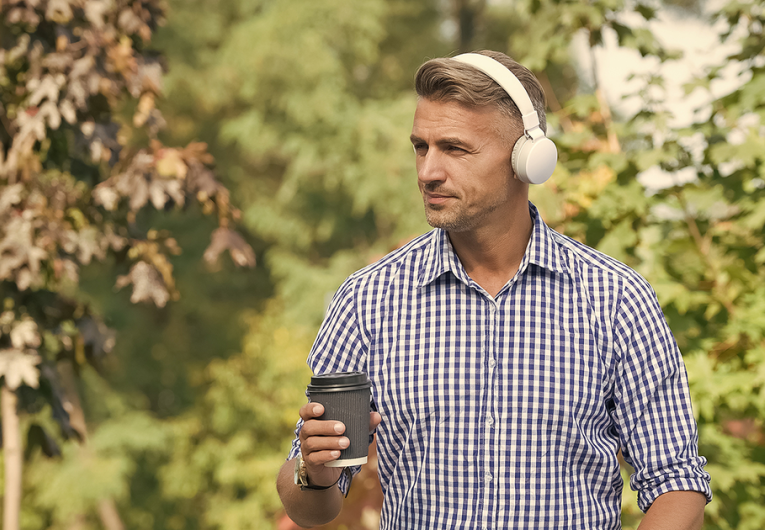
491	443
492	330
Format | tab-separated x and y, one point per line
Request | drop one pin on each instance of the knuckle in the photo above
314	459
308	447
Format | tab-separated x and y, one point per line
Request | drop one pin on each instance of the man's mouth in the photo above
436	197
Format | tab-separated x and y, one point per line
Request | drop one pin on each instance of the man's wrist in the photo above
304	483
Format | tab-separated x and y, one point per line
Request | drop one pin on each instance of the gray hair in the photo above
445	79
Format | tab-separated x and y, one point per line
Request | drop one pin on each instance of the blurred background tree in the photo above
79	166
306	109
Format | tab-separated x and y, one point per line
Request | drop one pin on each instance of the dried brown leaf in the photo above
140	190
105	195
121	57
145	106
170	163
58	61
49	110
65	269
129	22
24	334
24	279
58	11
10	196
201	180
147	79
94	12
46	88
19	367
68	111
18	248
88	245
147	282
225	239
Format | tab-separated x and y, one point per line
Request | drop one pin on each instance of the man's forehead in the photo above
451	119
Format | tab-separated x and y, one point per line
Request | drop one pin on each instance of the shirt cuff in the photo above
647	496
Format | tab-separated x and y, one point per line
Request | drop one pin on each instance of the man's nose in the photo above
430	167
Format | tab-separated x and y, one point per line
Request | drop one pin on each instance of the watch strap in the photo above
301	478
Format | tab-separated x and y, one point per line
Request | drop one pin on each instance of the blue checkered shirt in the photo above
508	411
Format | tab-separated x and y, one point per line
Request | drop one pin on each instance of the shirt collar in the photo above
543	250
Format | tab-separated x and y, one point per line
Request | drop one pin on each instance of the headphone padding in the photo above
514	158
534	160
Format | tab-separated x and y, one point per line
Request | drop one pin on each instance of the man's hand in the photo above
321	442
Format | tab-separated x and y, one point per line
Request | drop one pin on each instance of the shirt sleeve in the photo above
657	430
339	347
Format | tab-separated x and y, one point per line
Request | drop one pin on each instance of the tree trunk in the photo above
468	14
12	454
109	515
107	510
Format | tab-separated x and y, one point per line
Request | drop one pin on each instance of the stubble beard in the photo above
455	219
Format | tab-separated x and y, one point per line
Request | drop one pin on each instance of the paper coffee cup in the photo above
345	397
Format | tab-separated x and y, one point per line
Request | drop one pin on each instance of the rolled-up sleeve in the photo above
338	348
657	430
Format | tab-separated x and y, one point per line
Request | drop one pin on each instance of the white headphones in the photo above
534	155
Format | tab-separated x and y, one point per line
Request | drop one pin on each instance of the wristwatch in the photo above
301	476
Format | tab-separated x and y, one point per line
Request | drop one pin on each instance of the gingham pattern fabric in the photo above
508	412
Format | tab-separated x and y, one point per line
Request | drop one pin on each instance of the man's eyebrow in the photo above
451	140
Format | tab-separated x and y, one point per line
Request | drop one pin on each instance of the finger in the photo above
319	458
310	411
321	428
374	420
324	443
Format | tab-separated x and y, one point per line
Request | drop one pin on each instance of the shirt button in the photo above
492	363
488	477
490	421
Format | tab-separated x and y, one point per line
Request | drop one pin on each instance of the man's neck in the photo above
492	254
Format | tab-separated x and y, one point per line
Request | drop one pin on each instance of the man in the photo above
509	363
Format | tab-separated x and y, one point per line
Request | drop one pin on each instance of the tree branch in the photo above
703	245
12	456
552	101
605	109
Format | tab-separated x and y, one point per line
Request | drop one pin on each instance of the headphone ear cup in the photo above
534	160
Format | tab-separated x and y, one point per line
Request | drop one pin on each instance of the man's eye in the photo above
420	148
455	149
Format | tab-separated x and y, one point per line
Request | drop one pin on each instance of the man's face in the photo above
463	165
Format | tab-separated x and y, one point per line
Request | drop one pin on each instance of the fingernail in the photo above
335	454
339	428
316	409
344	442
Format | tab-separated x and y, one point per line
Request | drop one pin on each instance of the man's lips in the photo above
436	198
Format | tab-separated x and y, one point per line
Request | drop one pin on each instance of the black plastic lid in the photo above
338	380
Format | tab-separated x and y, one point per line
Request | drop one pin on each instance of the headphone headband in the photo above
534	155
507	80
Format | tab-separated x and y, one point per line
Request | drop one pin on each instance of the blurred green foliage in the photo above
306	107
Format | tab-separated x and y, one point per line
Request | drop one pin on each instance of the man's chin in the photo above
442	221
